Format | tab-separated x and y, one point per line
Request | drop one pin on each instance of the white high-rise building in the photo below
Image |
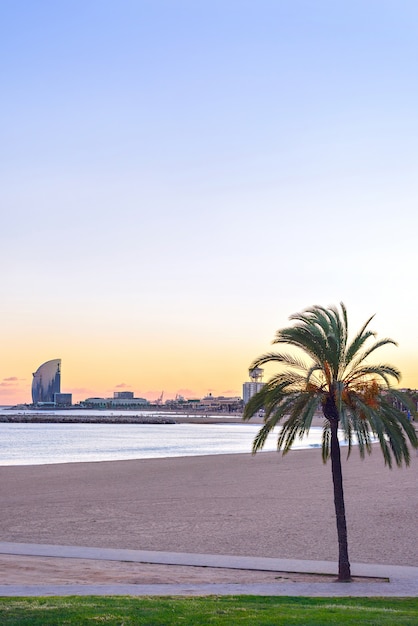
252	387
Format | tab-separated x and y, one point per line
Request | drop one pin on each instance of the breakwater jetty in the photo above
42	418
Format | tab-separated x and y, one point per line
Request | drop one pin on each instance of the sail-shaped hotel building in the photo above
46	382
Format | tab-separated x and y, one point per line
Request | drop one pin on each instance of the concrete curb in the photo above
403	581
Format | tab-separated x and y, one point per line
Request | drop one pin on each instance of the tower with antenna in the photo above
254	385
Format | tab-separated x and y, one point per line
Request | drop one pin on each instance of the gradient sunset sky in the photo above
178	177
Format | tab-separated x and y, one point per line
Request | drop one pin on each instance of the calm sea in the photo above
38	444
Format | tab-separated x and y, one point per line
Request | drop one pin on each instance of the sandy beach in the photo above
266	505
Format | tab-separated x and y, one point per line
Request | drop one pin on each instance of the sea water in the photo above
38	444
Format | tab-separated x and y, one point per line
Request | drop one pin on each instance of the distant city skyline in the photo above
46	382
178	178
249	385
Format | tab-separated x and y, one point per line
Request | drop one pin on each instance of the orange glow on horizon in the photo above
190	379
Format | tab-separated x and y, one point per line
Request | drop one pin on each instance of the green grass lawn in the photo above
222	610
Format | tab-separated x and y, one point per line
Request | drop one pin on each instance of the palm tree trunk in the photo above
344	572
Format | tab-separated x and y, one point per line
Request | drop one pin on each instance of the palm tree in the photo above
331	373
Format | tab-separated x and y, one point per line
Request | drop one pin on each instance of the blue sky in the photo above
177	178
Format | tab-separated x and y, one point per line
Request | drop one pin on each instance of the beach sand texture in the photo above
266	505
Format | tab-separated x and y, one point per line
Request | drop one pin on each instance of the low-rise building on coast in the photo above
118	401
217	404
221	403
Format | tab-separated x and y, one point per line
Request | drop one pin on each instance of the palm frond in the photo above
308	338
255	404
262	435
338	338
376	346
307	411
382	371
390	426
362	393
404	399
278	401
276	414
359	429
277	357
359	340
361	358
315	376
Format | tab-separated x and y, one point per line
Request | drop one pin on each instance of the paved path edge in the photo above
400	581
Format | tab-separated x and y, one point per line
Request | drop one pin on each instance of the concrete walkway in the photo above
397	581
